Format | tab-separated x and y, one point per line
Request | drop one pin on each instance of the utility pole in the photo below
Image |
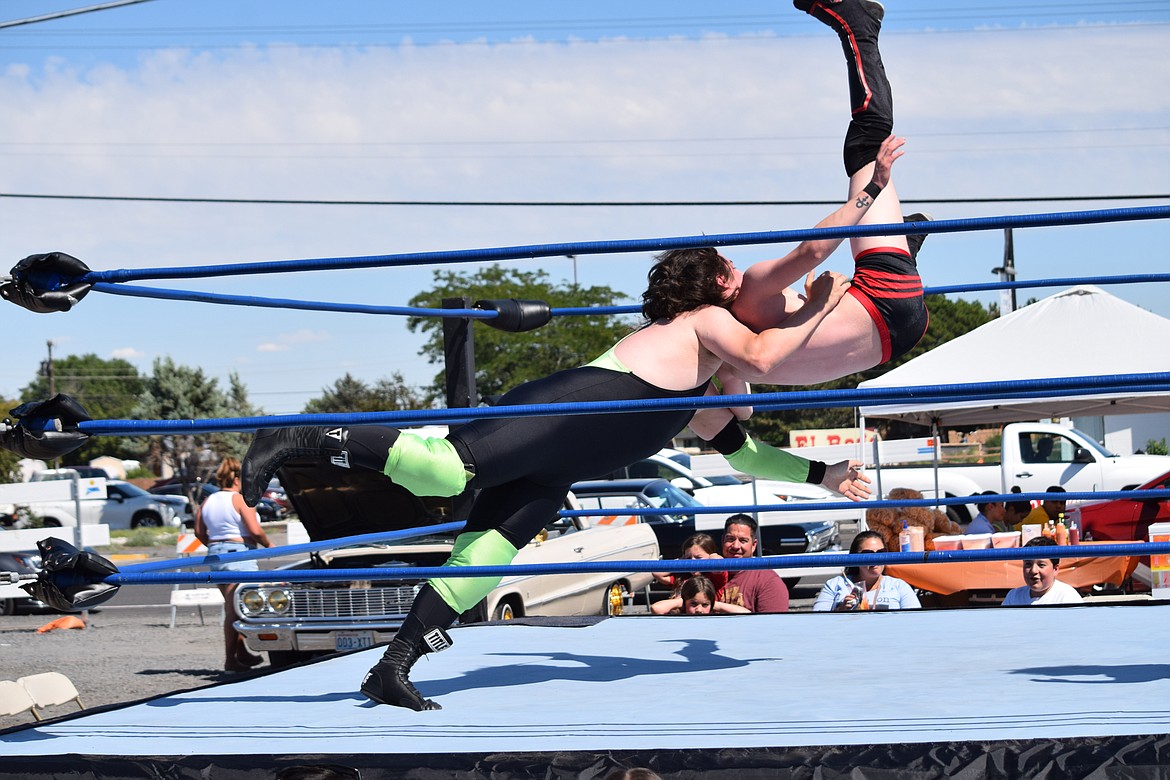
1007	273
49	371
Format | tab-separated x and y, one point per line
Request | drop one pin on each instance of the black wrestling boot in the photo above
422	632
914	240
388	682
364	446
272	447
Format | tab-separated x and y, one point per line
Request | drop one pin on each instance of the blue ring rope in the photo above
827	506
703	564
566	311
804	399
412	533
287	303
632	245
380	537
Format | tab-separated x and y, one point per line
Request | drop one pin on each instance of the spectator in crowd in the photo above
865	587
694	547
1040	583
226	524
697	596
1049	509
1014	512
990	518
757	590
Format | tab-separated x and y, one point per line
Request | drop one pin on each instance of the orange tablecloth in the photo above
948	578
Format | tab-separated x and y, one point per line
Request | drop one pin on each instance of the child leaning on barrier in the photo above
696	597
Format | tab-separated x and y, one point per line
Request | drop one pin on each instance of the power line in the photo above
74	12
562	204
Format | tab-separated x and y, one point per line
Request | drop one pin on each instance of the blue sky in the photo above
532	101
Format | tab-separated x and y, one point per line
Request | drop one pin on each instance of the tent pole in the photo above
862	525
935	452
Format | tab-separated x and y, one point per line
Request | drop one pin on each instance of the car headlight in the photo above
278	601
252	603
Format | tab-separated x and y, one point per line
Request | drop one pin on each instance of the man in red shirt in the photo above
758	590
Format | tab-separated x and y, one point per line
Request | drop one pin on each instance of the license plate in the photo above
353	640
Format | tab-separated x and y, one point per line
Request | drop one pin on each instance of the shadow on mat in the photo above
1122	673
698	655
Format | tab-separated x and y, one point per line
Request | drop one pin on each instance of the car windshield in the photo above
724	479
130	489
664	494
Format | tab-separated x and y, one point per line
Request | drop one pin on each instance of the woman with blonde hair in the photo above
226	524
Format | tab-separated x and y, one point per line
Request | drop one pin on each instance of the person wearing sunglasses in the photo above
865	587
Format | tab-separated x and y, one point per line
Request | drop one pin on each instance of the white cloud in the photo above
286	341
127	353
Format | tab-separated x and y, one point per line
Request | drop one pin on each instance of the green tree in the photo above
176	392
353	395
948	320
9	461
108	389
504	360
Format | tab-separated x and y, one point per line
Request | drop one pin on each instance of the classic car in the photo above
293	621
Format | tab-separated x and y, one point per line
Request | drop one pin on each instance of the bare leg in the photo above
237	658
849	339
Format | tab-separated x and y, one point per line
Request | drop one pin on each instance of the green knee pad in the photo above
481	548
764	460
425	466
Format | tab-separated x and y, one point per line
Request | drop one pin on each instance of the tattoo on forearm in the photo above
863	201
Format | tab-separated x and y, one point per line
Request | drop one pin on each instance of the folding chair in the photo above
14	699
50	688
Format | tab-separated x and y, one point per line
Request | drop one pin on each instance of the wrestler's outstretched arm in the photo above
764	284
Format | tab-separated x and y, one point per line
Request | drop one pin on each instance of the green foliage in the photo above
145	537
948	320
9	461
504	360
1156	447
140	472
176	392
353	395
108	389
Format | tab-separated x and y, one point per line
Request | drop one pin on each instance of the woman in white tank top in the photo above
226	525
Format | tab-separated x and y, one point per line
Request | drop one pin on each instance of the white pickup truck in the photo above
1034	456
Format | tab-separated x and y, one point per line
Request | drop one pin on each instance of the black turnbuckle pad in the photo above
71	579
516	316
47	283
45	429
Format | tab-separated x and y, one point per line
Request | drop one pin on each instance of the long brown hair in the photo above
683	280
227	473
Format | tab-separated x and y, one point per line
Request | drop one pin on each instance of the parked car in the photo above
293	621
267	509
275	493
730	490
24	562
125	506
781	539
84	472
1125	519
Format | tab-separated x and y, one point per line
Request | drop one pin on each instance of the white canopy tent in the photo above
1082	331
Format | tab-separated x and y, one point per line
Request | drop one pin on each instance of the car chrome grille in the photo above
355	602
